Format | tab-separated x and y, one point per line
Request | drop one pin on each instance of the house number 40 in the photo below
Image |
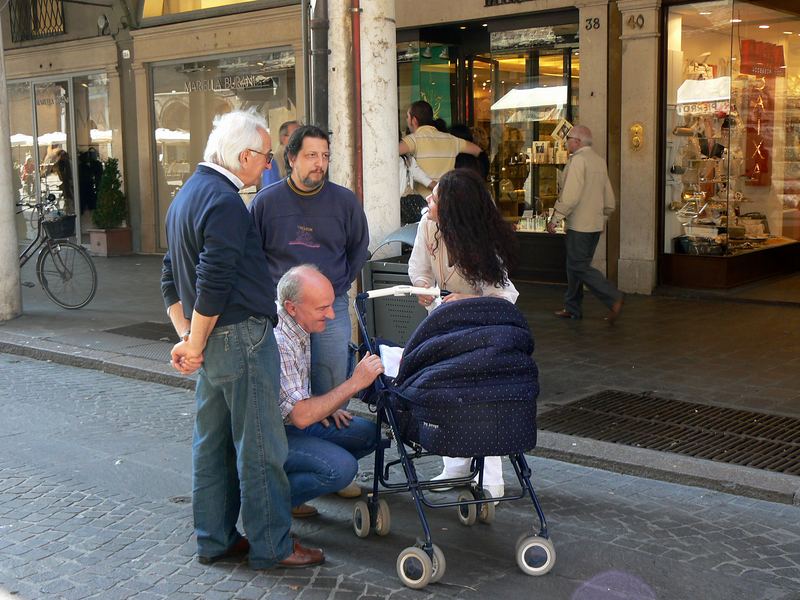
636	22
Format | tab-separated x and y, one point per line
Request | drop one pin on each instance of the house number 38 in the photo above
592	24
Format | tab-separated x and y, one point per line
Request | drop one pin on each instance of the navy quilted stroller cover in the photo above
467	384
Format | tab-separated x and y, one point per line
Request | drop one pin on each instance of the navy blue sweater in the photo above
214	264
326	227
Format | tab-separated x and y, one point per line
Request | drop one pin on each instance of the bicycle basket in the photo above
60	228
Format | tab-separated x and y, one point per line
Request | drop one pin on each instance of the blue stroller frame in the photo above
425	562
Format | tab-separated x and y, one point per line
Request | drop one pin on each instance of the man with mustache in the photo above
307	219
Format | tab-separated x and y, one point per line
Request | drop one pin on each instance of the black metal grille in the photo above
35	19
741	437
157	332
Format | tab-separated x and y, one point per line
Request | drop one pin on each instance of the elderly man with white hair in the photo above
221	301
586	200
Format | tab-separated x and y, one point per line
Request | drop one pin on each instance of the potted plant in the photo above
111	236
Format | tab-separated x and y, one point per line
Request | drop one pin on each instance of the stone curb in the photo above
674	468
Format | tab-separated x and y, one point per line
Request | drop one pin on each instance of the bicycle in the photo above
65	270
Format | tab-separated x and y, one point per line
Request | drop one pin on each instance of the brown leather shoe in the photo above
565	314
239	548
304	511
616	308
302	557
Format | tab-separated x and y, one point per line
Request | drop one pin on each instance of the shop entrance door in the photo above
54	142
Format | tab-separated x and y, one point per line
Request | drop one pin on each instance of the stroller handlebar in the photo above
404	290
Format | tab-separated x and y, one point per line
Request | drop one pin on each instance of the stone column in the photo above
638	260
148	218
341	116
10	291
593	23
379	117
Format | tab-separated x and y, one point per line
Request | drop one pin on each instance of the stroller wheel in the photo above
535	555
383	518
361	519
439	564
414	568
486	511
468	513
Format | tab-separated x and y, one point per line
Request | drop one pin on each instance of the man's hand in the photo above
185	358
367	370
456	296
551	227
341	418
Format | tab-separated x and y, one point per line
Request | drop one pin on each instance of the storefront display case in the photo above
731	200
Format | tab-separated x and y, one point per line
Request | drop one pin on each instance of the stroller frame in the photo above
425	563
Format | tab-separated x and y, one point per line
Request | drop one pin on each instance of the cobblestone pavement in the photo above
94	484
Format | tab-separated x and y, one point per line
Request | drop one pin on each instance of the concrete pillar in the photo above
379	108
10	291
638	259
593	91
341	99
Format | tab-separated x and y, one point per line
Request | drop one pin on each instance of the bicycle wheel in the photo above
67	274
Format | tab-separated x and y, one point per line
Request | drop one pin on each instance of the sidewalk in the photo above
736	354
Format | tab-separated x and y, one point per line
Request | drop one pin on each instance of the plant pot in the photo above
111	242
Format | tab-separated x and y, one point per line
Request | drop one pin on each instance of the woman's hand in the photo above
425	300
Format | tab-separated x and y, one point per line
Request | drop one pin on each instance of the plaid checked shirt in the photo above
295	349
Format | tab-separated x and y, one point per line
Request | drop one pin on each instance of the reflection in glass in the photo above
187	96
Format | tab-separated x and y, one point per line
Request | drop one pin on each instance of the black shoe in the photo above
239	548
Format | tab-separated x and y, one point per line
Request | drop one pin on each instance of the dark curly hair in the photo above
481	245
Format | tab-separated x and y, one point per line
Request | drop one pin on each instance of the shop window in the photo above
732	129
161	8
187	97
36	19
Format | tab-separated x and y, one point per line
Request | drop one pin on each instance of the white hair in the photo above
583	133
233	133
290	286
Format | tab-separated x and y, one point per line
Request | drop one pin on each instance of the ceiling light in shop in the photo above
463	27
736	20
787	33
705	13
485	25
763	26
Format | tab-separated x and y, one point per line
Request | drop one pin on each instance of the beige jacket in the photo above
587	197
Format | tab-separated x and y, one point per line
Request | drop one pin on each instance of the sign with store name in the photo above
233	82
501	2
762	59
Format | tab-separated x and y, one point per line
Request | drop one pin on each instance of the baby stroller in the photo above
466	387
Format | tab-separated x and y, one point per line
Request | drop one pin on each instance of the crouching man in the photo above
325	441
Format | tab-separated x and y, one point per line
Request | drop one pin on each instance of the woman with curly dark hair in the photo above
464	246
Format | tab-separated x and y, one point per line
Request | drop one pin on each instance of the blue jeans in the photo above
329	350
239	445
325	459
580	248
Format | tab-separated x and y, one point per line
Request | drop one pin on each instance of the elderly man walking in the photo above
221	301
586	200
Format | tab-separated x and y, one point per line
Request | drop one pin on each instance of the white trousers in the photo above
492	468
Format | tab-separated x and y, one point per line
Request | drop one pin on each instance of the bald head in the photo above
307	296
582	133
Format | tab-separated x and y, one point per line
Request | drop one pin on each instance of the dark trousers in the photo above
580	251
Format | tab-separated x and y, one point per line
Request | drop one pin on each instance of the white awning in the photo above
532	97
704	90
